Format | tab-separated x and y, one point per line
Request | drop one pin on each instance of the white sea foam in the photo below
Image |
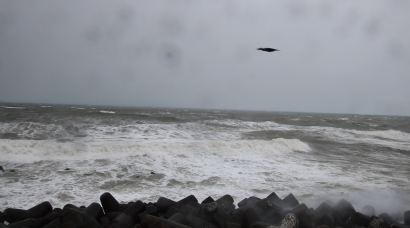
32	130
389	138
103	111
13	107
46	106
193	156
39	150
241	168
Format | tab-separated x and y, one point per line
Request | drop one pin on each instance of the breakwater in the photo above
254	212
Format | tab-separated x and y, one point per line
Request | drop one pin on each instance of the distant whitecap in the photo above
13	107
102	111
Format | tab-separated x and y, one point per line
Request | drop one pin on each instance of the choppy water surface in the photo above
202	152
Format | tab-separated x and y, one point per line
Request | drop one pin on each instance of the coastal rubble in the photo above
252	212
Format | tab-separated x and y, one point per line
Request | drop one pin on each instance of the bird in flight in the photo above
268	49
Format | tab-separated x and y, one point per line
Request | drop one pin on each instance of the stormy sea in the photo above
73	154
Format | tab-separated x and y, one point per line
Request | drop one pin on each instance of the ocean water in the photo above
317	157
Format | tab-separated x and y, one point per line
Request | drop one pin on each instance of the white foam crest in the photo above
250	125
389	134
389	138
46	106
143	113
110	112
269	125
153	131
242	168
36	150
31	129
13	107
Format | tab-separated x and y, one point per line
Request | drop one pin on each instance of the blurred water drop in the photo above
93	34
169	55
171	25
297	9
396	49
372	27
126	14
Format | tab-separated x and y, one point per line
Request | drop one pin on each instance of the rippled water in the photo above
201	152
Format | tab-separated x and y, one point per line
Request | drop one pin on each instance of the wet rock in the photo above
225	203
114	226
360	219
407	218
248	201
92	212
237	217
391	221
290	221
376	222
1	168
110	204
104	221
152	210
23	223
251	216
232	225
323	226
128	217
290	201
304	215
40	222
208	200
324	214
12	215
74	218
163	204
171	211
344	209
270	212
272	217
186	210
2	219
90	224
54	223
210	208
220	217
149	220
274	198
369	211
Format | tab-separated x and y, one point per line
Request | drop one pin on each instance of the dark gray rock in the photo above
406	217
344	209
376	222
369	210
290	221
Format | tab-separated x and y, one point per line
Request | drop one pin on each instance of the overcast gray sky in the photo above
336	56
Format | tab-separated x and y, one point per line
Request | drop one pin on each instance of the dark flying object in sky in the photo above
268	49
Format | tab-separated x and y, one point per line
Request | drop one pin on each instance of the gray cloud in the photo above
343	57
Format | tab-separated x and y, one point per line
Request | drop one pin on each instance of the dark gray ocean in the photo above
317	157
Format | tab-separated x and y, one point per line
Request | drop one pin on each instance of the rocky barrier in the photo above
251	212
